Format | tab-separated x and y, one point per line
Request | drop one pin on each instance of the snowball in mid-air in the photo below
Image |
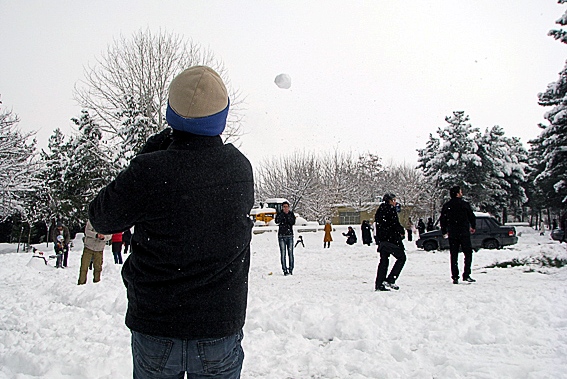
283	81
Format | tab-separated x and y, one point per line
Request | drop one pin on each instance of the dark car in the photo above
557	234
489	234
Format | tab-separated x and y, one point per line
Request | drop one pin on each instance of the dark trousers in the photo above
456	243
117	252
385	263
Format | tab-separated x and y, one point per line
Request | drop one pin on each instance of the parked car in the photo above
489	234
557	234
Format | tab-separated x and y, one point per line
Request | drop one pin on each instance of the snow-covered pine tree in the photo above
504	160
453	159
89	168
55	161
552	142
547	154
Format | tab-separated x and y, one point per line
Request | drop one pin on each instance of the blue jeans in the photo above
163	357
286	242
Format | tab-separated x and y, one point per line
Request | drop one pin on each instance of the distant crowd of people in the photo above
457	221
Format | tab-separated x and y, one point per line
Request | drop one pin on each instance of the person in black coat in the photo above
126	240
366	233
458	222
351	236
189	197
286	220
390	234
421	226
430	226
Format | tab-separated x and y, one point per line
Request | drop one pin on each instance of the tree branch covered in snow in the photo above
549	149
127	89
18	165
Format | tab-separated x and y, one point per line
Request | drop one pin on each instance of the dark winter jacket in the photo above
351	240
366	234
127	237
457	217
64	232
388	225
421	226
286	221
187	276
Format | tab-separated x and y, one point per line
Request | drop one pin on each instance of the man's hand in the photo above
473	230
446	235
159	141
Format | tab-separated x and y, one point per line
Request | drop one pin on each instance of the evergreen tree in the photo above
490	167
552	142
89	169
504	161
55	161
455	160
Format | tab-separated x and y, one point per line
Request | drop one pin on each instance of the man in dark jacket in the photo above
189	197
286	220
458	222
389	234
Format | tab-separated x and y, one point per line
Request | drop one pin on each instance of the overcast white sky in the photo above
375	76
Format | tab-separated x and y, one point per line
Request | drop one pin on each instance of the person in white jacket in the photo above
94	246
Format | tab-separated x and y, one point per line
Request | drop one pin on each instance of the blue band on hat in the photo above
212	125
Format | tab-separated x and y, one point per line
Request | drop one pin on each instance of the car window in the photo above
495	222
481	224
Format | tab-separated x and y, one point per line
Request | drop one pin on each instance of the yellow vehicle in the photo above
268	210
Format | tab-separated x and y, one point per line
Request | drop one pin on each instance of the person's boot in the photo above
393	286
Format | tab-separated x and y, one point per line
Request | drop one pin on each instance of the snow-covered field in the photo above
325	321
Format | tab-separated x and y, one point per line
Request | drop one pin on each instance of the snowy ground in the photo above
325	321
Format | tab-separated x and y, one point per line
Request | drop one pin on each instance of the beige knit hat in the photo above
198	102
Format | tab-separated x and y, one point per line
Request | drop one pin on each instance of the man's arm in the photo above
66	235
291	218
471	217
117	206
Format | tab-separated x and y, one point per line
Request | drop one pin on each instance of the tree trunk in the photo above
20	239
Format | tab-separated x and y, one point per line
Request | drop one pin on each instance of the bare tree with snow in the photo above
127	88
